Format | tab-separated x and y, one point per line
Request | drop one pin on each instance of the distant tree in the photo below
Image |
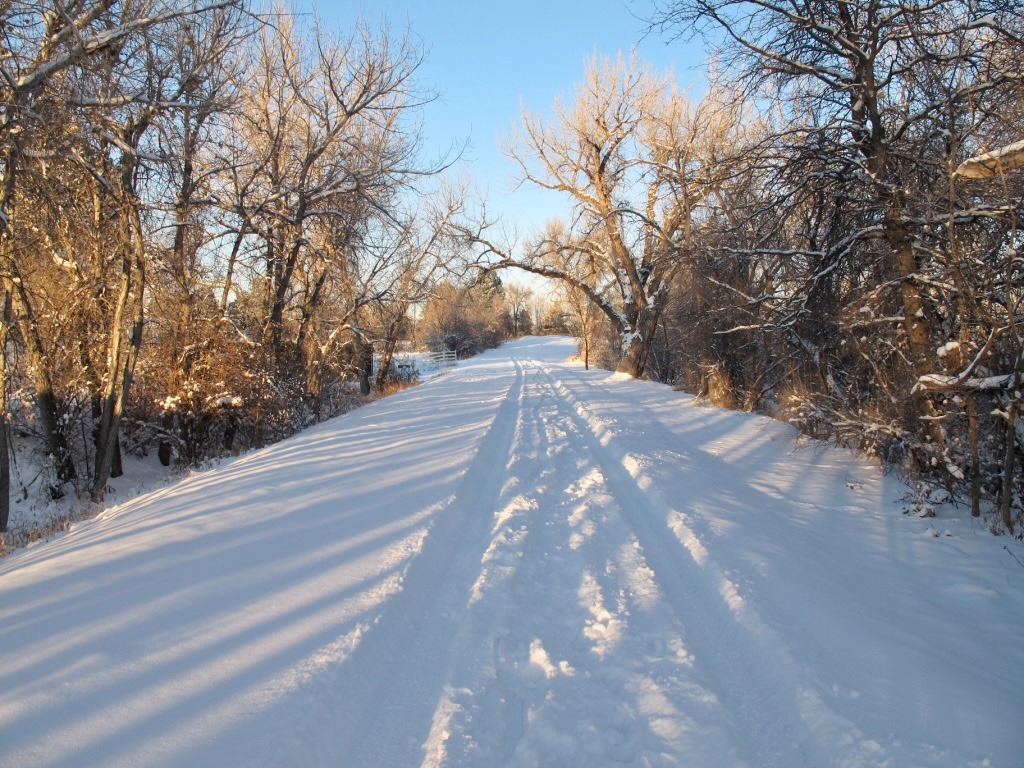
423	245
555	318
517	299
465	319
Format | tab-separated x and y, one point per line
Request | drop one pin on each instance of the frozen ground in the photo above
520	563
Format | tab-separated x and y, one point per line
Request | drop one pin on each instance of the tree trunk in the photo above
5	456
116	464
914	318
972	436
634	357
1006	502
384	366
281	281
46	401
165	449
120	365
5	448
364	350
229	269
387	355
639	342
6	197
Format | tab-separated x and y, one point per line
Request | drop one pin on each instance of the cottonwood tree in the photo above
320	118
393	271
159	81
631	153
151	83
187	339
310	168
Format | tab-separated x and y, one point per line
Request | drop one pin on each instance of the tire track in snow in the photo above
782	720
559	662
481	692
383	698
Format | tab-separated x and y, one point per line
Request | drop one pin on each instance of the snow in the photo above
931	381
520	563
992	163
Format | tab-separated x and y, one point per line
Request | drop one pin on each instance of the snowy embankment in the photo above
519	563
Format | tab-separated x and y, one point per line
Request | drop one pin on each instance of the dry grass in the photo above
24	535
396	386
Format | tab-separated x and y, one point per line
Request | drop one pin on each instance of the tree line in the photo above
831	233
212	222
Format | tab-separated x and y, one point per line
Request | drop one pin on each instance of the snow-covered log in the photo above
992	163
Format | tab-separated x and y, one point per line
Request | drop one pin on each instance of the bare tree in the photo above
168	67
424	243
631	153
883	260
189	137
517	299
584	315
320	121
464	318
53	57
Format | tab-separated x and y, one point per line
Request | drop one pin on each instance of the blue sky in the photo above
487	59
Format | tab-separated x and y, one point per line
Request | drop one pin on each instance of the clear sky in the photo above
487	59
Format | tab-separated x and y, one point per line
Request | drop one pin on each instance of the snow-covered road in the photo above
520	563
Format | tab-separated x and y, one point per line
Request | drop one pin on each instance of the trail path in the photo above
521	563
